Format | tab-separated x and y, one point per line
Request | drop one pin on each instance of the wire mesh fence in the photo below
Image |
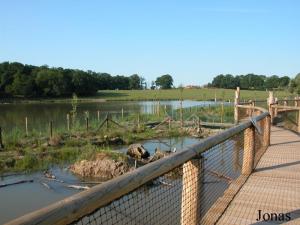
196	192
288	119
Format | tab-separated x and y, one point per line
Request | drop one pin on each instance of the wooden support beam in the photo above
249	144
236	103
271	101
191	192
267	131
26	126
51	128
1	142
68	122
299	121
87	123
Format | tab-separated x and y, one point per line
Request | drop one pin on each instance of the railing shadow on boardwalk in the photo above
277	166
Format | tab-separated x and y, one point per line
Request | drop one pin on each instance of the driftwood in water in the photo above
17	182
46	185
161	123
90	182
78	187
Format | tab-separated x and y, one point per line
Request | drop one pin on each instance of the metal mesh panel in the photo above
195	192
245	114
288	119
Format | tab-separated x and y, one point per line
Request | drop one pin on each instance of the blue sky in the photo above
191	40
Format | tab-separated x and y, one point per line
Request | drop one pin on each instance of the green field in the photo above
191	94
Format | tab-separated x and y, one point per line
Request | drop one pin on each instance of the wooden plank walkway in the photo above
274	187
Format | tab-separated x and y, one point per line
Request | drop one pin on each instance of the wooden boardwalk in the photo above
274	186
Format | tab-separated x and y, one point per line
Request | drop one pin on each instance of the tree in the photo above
294	85
43	81
135	82
284	81
272	82
164	81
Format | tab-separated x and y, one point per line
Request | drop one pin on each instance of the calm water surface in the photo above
12	116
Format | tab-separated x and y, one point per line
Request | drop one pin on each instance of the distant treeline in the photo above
17	79
250	81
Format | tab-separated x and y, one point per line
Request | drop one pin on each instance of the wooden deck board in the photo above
274	187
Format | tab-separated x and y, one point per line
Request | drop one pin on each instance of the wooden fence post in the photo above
98	115
296	101
236	102
68	122
222	112
285	101
267	131
106	121
138	121
191	192
51	128
181	114
299	121
270	103
276	109
87	123
253	105
249	145
199	124
158	108
26	125
1	142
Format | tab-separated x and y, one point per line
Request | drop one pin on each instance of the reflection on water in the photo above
39	114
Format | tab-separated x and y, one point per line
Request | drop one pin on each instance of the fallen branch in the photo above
14	183
92	182
45	185
78	187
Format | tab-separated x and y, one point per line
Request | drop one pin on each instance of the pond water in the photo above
23	198
12	116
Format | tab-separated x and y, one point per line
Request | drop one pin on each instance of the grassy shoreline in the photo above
202	94
37	151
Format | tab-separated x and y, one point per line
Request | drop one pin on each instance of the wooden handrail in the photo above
252	107
77	206
285	107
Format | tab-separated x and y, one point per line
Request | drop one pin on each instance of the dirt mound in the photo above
102	167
